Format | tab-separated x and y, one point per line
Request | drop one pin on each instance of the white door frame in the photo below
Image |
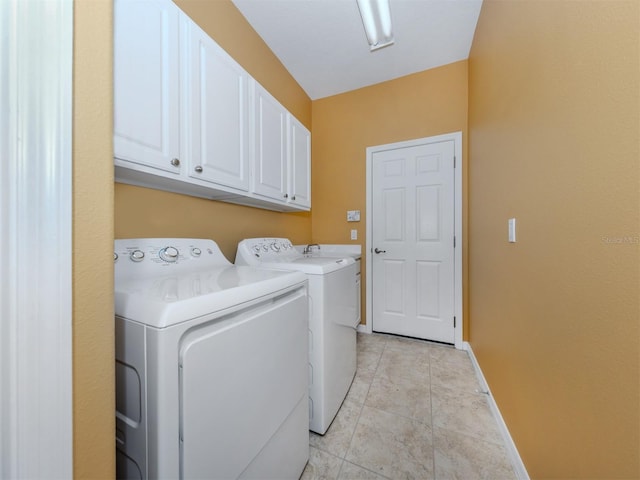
456	137
36	412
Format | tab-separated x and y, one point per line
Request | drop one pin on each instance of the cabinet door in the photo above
146	83
299	163
217	132
270	152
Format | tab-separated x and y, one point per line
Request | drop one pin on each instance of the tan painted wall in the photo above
554	141
93	336
93	355
200	218
137	209
226	25
419	105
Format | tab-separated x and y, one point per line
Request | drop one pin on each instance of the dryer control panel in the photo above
150	256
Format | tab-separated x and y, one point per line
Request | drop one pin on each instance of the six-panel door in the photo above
413	235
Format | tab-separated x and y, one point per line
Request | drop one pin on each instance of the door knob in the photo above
379	251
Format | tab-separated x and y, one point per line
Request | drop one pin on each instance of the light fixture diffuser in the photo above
376	18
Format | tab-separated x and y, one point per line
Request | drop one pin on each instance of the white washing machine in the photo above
211	377
333	320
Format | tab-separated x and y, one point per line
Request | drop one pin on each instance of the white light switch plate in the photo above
353	215
354	234
512	230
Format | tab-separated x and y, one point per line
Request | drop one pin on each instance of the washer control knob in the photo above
196	252
169	254
115	257
265	247
275	247
136	255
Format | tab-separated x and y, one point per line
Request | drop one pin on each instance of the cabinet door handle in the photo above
175	162
198	169
286	195
293	198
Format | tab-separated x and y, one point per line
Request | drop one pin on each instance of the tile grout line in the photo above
363	468
381	349
344	459
433	436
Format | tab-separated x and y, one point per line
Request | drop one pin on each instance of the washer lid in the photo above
279	253
310	265
168	300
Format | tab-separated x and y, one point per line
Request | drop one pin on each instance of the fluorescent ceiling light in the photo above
376	18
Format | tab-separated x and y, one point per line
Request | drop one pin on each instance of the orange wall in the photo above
172	215
424	104
226	25
554	141
93	335
137	209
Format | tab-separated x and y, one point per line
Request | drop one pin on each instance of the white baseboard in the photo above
512	451
364	328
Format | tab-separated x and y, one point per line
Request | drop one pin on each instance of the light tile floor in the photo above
413	412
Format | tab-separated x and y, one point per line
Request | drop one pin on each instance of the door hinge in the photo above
454	161
454	322
454	241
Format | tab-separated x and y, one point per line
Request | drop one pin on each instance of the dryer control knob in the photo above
169	254
196	252
275	247
136	255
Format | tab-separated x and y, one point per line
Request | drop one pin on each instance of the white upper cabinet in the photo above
282	152
189	119
217	113
146	83
270	146
299	163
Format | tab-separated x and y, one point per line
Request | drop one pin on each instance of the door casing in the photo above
36	370
456	137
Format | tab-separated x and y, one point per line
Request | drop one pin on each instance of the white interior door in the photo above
412	240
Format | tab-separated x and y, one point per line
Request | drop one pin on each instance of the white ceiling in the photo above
323	45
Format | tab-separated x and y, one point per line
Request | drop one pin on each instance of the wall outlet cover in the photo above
353	215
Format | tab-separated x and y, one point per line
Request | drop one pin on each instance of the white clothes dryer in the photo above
333	320
211	377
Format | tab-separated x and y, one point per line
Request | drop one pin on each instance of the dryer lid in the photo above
169	300
165	281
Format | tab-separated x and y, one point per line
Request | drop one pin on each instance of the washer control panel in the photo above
144	256
270	248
